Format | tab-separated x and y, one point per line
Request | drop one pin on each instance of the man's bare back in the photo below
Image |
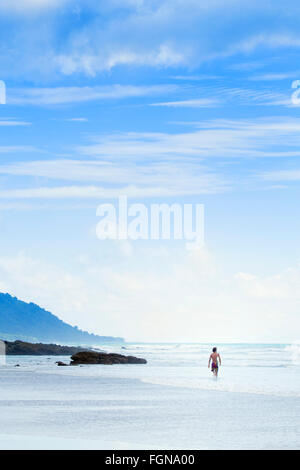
215	360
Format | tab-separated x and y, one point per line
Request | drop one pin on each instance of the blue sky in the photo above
164	101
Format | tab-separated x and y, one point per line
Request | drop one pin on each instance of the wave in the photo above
294	351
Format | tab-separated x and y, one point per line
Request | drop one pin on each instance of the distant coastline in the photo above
30	323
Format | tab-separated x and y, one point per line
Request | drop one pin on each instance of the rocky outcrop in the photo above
21	348
91	357
78	355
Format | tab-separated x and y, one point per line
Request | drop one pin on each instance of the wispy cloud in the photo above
274	40
166	34
94	192
281	175
28	6
281	286
65	95
196	78
16	148
251	96
94	295
216	95
247	66
11	123
144	180
91	64
158	164
268	77
77	120
216	138
209	96
196	103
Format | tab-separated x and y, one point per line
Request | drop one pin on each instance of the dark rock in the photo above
91	357
59	363
21	348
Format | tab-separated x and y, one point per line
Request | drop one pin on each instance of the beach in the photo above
173	402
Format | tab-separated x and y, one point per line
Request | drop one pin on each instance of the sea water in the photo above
171	402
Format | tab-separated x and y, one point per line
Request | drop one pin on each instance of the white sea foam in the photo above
294	351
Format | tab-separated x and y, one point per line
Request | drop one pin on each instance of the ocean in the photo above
172	402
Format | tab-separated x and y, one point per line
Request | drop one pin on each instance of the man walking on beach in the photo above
216	361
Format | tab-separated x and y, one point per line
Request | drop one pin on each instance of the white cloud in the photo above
169	33
164	55
169	296
19	206
196	103
246	96
158	164
281	175
196	77
77	120
95	192
50	286
222	95
149	175
62	95
16	148
262	137
12	123
251	43
211	96
282	286
275	76
24	6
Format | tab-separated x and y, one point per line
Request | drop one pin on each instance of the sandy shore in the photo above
63	408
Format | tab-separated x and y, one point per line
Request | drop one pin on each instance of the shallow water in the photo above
172	402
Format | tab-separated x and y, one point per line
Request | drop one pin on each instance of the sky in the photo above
164	101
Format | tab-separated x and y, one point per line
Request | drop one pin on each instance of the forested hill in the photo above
29	322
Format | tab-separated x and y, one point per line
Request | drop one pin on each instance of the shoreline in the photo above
127	413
